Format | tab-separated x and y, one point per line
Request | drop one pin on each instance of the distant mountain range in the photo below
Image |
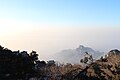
74	55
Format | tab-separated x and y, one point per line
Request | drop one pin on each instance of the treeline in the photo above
17	65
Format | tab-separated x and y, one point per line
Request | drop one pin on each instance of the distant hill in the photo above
107	68
74	55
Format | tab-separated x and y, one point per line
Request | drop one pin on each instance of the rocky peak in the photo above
81	47
114	52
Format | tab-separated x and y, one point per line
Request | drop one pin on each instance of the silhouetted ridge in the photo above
114	52
17	65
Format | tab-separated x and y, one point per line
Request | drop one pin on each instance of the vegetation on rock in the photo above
16	65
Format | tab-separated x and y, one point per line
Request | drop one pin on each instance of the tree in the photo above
34	56
17	65
88	59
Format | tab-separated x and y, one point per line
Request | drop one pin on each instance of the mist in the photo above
50	40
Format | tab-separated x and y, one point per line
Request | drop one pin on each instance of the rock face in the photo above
114	52
105	70
113	57
74	55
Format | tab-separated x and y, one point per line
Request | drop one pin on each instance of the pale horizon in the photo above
51	26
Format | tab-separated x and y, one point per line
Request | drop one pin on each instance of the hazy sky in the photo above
49	26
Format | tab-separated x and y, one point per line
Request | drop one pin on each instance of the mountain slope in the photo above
74	55
107	68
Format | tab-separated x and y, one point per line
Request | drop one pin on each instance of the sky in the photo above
49	26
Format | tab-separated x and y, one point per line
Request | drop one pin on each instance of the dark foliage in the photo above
17	65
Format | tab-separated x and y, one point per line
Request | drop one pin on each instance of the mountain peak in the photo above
74	55
81	46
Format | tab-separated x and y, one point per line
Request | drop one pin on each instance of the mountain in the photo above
107	68
74	55
113	57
